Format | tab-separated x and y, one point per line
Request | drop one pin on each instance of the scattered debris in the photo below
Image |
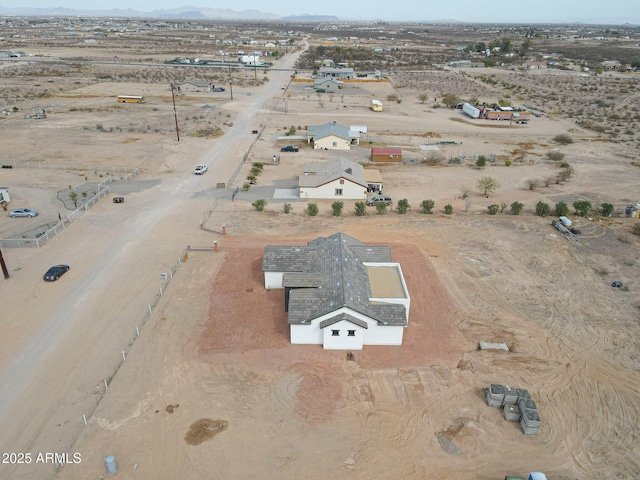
493	346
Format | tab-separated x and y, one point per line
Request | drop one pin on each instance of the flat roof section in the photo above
385	282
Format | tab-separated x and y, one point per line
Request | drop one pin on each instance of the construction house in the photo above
336	179
339	292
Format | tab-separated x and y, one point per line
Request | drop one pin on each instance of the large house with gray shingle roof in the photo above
332	136
338	178
339	292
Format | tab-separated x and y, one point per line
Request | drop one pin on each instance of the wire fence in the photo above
116	170
42	238
120	353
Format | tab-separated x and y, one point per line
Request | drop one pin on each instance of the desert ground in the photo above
211	386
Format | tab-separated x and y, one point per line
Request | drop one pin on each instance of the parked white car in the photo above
200	169
23	212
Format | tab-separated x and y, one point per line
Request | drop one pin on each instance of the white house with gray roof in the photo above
332	136
339	292
338	178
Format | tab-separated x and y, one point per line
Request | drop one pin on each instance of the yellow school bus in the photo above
130	99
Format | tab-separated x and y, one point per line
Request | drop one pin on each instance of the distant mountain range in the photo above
188	12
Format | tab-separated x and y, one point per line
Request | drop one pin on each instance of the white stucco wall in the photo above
343	341
350	191
373	335
273	279
327	142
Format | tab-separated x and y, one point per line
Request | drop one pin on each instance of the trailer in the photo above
376	105
470	110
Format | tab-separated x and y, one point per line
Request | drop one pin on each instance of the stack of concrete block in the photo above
530	420
512	413
510	395
495	395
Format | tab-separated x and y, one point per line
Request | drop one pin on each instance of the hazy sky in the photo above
522	11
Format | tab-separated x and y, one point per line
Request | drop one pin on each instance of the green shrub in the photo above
259	204
337	208
312	209
427	206
381	208
493	209
543	209
361	209
403	206
562	209
516	208
448	209
481	161
583	207
286	208
606	209
507	163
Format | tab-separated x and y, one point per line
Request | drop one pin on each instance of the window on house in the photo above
338	191
351	333
335	144
335	333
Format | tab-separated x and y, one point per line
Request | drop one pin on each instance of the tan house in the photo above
195	85
332	136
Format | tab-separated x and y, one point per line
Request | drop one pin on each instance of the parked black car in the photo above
55	272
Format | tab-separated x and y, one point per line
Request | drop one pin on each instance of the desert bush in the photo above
448	209
543	209
403	206
507	163
563	139
312	209
493	209
606	209
381	208
583	207
427	206
259	204
361	209
555	155
481	161
533	183
337	208
562	209
516	208
286	208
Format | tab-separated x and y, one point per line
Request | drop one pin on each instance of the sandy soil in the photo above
216	345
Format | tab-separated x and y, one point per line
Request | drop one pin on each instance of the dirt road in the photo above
80	325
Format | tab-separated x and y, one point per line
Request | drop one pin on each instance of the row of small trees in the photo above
582	208
402	207
256	169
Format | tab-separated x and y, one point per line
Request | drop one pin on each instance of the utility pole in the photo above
230	83
175	114
4	266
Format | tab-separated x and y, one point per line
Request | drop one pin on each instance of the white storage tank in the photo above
565	221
